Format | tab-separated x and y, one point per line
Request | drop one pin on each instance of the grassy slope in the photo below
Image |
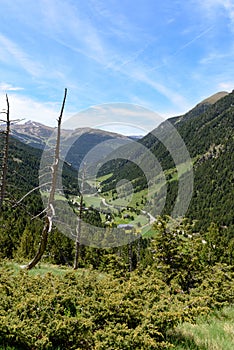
41	269
213	333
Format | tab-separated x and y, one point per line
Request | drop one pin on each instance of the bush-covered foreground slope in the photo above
89	310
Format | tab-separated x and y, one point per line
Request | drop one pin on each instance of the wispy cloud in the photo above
211	57
181	48
65	24
112	51
13	50
81	36
142	76
229	6
193	40
134	56
116	116
227	86
9	87
118	22
23	107
212	9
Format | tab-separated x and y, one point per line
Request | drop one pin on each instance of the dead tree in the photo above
78	232
78	228
130	252
50	211
5	154
139	241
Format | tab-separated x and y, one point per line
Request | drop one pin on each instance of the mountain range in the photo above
207	130
75	144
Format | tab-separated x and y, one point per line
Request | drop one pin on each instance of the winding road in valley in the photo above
152	219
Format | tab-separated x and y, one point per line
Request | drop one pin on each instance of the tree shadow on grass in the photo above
185	342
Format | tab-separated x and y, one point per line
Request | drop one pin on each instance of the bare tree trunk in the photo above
50	208
5	155
130	256
139	250
78	229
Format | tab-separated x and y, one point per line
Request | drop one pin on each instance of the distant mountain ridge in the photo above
79	141
36	134
32	133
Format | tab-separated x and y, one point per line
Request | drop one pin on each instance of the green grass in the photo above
215	332
142	219
92	201
104	177
40	269
57	197
147	231
95	182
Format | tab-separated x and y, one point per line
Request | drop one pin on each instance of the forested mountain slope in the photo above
209	138
23	171
20	228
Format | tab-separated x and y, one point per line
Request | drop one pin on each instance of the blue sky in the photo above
163	55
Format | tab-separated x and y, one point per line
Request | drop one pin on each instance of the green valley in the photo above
143	281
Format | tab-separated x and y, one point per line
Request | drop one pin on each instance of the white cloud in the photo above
214	56
20	56
22	107
64	24
227	86
213	8
115	117
9	87
173	96
118	23
229	7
